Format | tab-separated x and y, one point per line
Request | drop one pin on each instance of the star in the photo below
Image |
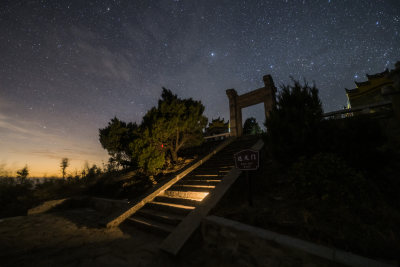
94	67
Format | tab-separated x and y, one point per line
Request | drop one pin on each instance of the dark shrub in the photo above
292	125
327	177
356	139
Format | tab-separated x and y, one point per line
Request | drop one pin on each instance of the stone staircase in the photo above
170	207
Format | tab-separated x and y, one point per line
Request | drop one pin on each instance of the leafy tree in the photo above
63	165
217	126
251	127
292	127
23	173
149	152
173	124
115	138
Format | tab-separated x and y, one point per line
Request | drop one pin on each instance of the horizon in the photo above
69	68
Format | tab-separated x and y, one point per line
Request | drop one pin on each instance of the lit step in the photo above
185	194
150	225
178	200
161	216
170	207
193	188
198	182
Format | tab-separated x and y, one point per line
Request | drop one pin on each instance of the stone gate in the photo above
264	95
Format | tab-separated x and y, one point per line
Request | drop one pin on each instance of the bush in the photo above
15	197
292	126
327	177
356	139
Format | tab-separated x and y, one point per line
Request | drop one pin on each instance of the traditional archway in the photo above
264	95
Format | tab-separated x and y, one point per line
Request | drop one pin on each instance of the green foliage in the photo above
23	173
148	152
217	126
251	127
292	127
115	138
174	124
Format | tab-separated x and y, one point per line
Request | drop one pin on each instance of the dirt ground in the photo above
72	238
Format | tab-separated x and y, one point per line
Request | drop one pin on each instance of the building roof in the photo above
378	75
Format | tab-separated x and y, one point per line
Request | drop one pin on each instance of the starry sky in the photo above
67	67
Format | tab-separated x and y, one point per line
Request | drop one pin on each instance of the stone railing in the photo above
378	107
218	136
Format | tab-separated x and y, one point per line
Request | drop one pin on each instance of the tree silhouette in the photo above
63	165
115	138
23	173
251	127
292	127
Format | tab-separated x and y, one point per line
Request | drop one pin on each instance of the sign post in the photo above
247	160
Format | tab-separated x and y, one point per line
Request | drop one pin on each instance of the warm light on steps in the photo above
194	186
205	175
198	181
186	194
150	224
179	206
161	216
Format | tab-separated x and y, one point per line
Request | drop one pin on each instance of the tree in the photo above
23	173
292	127
63	165
173	124
115	138
251	127
217	126
148	151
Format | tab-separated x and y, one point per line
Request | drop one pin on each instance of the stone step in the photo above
192	188
215	176
185	194
221	160
178	200
187	181
150	225
209	171
170	207
161	216
218	166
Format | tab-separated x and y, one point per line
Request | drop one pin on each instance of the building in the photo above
369	92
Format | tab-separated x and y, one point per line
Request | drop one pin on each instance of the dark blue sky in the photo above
68	67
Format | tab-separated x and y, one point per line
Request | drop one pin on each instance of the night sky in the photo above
68	67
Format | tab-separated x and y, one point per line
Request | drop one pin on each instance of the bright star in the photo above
212	54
